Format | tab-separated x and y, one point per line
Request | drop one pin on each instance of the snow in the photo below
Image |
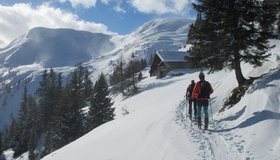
171	56
8	154
56	47
152	125
157	128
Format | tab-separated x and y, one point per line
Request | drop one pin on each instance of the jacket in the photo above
190	90
197	90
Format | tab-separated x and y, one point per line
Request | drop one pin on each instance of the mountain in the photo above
24	59
153	124
55	48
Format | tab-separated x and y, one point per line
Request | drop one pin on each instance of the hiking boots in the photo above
206	122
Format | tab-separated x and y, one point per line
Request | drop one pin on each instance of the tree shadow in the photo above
257	117
235	116
274	74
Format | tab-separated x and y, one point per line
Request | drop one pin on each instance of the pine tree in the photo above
22	125
100	110
73	102
12	136
43	99
87	86
50	101
231	32
143	63
34	128
140	76
278	20
54	131
26	125
118	74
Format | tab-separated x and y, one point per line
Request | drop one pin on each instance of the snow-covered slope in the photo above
24	59
55	48
156	127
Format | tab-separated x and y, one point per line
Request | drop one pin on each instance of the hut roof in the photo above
172	56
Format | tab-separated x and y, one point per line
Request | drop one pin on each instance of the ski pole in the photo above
210	106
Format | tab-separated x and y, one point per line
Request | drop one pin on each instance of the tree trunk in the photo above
238	73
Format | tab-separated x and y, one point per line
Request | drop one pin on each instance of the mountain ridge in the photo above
25	58
52	46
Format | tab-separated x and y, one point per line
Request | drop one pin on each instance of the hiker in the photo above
201	92
191	101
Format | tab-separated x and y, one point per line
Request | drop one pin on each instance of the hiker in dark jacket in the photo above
201	92
191	101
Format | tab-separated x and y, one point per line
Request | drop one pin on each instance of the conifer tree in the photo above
118	75
26	126
54	131
140	76
143	63
22	126
228	32
11	135
100	105
50	102
87	86
44	99
278	21
34	128
72	120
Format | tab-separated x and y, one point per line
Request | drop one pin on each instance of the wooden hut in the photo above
165	61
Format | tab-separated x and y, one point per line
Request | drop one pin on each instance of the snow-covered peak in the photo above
160	34
164	25
67	47
56	47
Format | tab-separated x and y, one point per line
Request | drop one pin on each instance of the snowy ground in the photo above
153	125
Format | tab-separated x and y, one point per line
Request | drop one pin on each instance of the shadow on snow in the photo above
236	116
257	117
266	80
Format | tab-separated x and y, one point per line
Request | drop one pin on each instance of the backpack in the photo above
190	89
205	89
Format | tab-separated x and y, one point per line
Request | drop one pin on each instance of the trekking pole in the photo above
211	112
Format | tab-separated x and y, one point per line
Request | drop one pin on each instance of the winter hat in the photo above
201	76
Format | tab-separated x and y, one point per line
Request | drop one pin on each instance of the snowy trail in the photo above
215	143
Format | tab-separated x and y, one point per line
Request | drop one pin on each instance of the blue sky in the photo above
105	16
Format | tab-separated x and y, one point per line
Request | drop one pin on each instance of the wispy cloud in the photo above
105	1
144	6
83	3
118	8
19	18
160	6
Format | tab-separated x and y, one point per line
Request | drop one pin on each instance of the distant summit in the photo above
56	47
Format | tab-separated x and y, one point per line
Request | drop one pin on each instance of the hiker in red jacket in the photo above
201	92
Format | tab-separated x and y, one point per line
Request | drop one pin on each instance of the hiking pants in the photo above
202	105
192	101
